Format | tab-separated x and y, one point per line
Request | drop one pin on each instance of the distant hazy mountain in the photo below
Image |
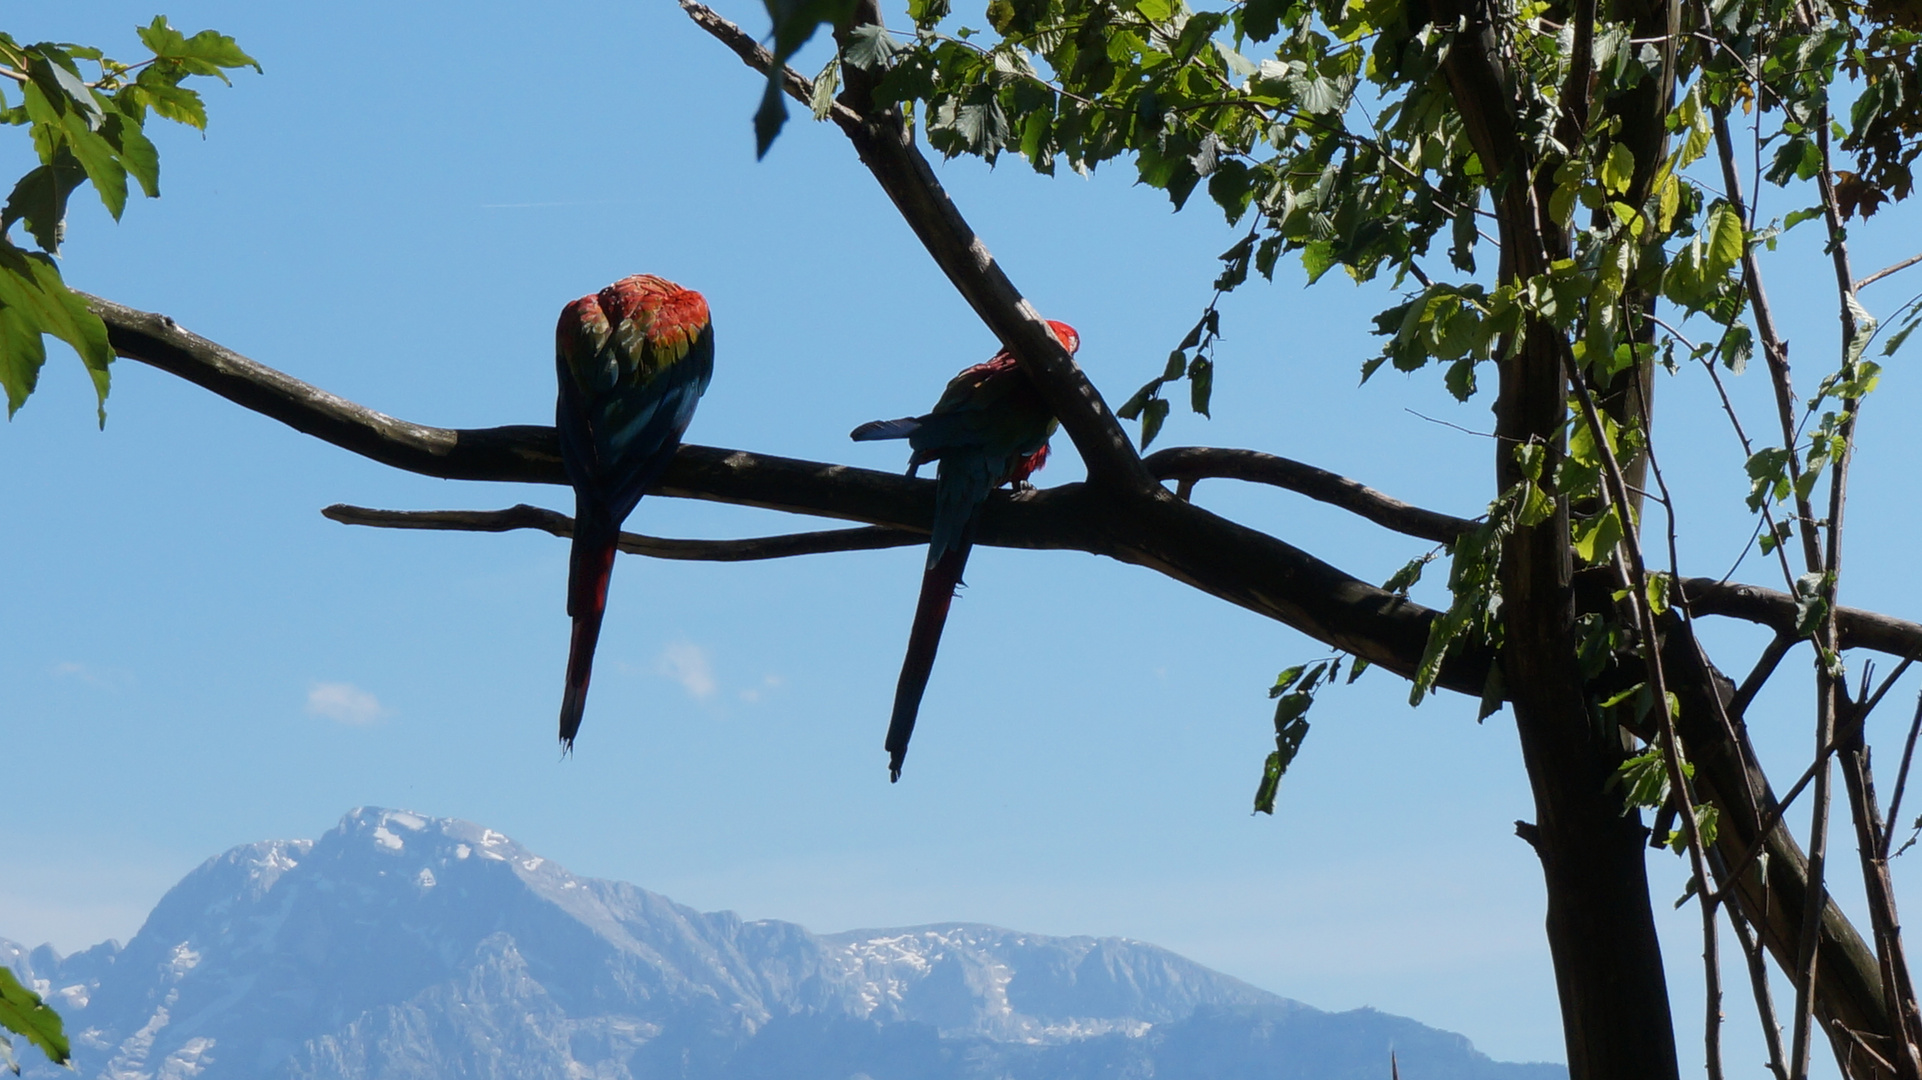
401	946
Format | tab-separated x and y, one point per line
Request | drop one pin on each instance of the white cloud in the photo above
343	703
111	678
754	693
687	663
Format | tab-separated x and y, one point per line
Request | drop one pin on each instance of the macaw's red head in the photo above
1066	335
582	330
653	319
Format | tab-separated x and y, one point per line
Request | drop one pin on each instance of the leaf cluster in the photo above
84	130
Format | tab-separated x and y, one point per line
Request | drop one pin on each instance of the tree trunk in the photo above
1601	931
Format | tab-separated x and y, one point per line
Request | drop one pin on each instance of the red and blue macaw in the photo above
633	361
990	427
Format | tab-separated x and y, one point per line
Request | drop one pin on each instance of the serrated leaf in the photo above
205	53
22	1012
176	103
22	354
30	285
96	156
870	48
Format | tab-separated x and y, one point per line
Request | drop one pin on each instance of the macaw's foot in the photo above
1023	489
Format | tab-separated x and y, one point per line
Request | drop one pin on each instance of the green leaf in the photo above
1725	240
39	201
1797	217
1658	585
103	167
1595	538
136	152
1865	325
927	12
826	85
22	1012
30	287
22	353
1201	384
1644	777
176	103
1618	169
1288	738
1811	602
1152	414
870	48
63	86
1494	693
206	53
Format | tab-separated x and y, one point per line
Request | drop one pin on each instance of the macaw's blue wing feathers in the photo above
632	362
886	429
991	427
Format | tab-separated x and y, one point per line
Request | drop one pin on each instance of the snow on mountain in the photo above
403	946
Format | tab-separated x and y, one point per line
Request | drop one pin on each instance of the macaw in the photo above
633	361
991	427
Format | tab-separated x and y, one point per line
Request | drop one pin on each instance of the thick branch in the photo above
1052	518
1859	629
887	148
523	516
1220	557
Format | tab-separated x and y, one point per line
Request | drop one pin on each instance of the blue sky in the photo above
194	658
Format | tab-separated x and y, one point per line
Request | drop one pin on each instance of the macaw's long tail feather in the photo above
886	429
590	565
938	584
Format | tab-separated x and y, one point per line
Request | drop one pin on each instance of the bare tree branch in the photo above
523	516
1886	271
887	148
1190	463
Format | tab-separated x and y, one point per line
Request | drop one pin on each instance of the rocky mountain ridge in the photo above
404	946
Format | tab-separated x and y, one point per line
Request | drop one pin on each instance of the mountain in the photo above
400	946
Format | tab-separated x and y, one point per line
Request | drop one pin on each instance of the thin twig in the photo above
523	516
1886	271
1902	776
1758	975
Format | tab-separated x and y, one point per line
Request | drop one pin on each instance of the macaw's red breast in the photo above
654	320
1066	335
